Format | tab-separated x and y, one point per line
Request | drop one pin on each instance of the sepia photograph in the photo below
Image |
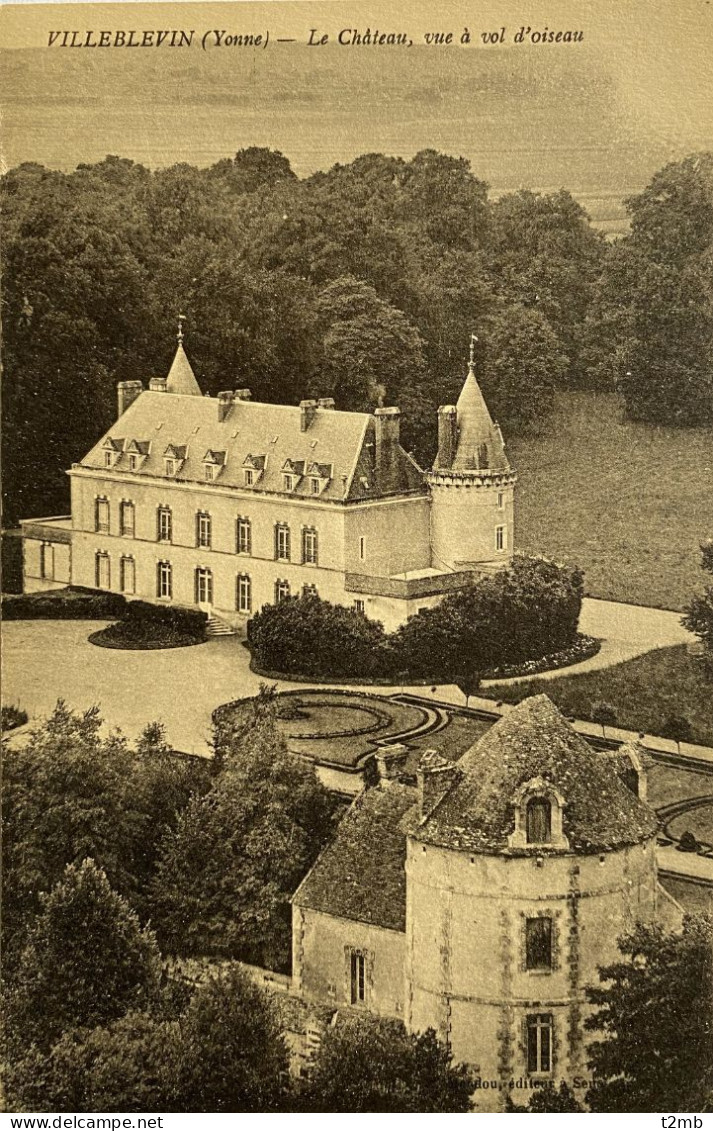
357	559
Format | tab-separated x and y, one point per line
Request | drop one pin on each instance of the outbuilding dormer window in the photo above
538	809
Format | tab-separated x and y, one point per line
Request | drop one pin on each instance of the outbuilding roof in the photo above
534	741
360	874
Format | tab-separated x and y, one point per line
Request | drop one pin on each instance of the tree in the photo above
699	613
87	962
226	872
523	364
678	728
231	1053
548	1098
654	1020
67	795
372	1064
604	715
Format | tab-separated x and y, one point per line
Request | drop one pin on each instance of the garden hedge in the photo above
64	604
513	617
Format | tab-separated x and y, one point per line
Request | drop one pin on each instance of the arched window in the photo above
538	820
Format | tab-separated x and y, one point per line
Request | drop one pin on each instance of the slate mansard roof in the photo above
535	741
360	874
264	436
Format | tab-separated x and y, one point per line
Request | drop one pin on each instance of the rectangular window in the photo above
102	571
133	462
47	561
164	584
243	536
171	466
282	542
108	459
362	549
126	519
289	481
501	500
204	587
359	605
165	525
309	546
309	591
538	943
203	530
315	486
357	972
249	476
244	601
282	591
101	516
500	539
539	1042
127	575
209	472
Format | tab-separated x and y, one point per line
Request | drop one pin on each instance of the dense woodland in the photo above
362	283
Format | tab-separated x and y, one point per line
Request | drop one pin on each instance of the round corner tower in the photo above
530	858
472	487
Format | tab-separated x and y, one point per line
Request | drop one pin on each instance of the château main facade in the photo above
229	504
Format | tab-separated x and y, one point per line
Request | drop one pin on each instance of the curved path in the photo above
45	660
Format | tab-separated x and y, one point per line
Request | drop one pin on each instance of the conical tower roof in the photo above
181	378
534	741
480	443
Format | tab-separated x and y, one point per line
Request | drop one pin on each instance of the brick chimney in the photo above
225	403
388	428
308	410
242	395
447	435
127	392
158	384
326	403
390	761
435	777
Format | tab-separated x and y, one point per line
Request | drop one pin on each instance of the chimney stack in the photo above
388	428
242	395
308	410
127	392
158	384
225	403
435	778
326	403
390	761
447	435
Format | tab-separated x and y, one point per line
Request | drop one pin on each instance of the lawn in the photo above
645	692
629	503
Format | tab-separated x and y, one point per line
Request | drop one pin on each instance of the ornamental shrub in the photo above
64	604
512	617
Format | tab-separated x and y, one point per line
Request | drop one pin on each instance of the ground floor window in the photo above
204	586
102	570
164	582
282	591
47	561
359	605
309	591
244	600
539	1042
127	575
500	538
357	979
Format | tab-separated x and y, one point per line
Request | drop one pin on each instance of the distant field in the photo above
630	503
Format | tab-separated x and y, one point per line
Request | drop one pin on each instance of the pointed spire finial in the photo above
471	362
181	320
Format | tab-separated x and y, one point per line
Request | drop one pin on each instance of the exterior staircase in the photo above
218	627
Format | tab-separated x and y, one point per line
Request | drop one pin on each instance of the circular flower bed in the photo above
583	648
138	637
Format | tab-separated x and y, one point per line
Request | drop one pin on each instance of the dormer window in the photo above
538	809
292	473
538	821
137	451
213	464
112	451
289	482
173	459
253	467
319	476
314	486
